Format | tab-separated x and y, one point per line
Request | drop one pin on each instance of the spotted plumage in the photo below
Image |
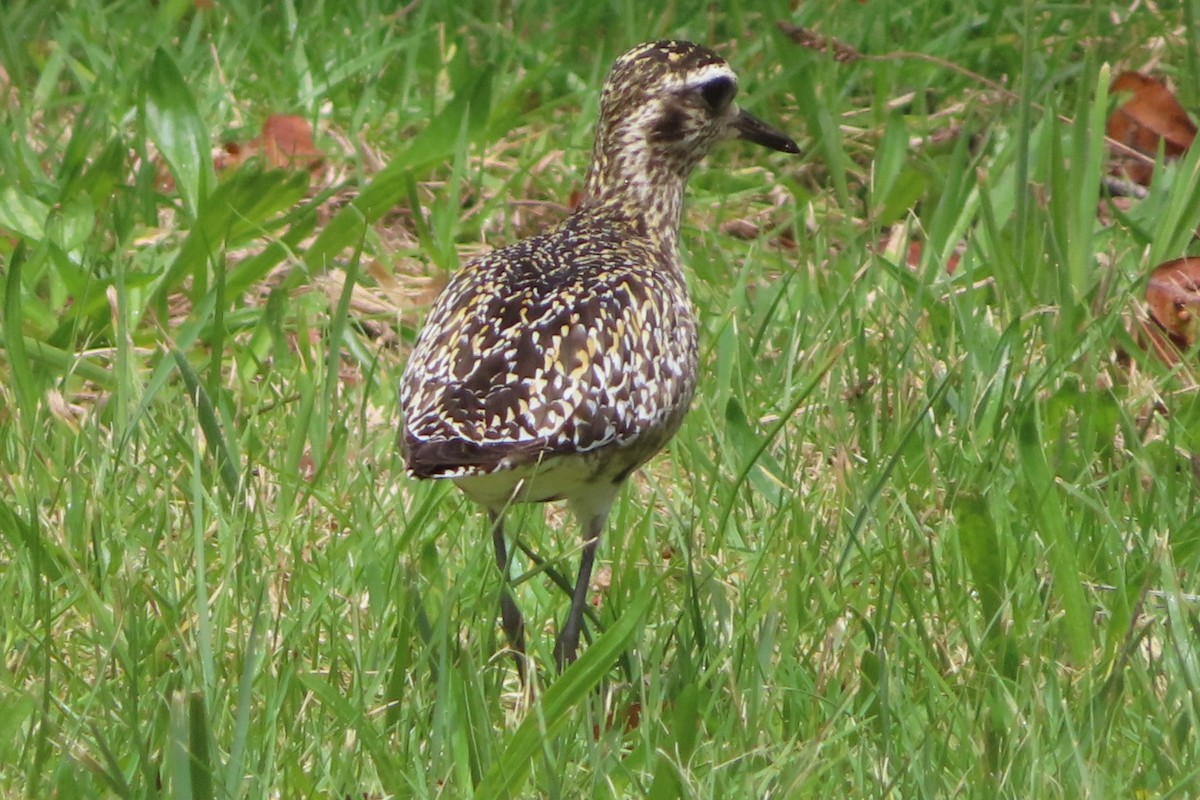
554	367
580	340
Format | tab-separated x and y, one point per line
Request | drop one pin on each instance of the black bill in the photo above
753	129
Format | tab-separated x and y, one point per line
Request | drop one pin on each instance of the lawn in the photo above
931	529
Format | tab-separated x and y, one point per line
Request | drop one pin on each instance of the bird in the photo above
553	368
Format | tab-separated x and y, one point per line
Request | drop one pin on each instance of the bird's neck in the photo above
630	184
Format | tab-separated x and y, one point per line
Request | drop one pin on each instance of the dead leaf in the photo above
601	584
740	228
1173	300
8	96
1150	115
900	242
63	410
629	719
286	142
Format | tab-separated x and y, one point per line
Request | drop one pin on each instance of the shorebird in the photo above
553	368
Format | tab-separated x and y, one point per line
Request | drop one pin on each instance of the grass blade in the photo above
508	773
433	146
173	123
179	758
24	384
210	424
1064	564
200	763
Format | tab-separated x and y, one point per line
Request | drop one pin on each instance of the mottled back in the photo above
562	343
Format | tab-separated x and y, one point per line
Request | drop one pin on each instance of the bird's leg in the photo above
568	640
510	616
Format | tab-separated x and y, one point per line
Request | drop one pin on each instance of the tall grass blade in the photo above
210	425
173	123
23	382
508	773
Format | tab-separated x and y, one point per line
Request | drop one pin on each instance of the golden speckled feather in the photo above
563	343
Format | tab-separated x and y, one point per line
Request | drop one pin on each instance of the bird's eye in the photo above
718	93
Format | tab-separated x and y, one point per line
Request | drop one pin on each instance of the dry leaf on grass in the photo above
286	142
1150	115
1173	300
8	95
916	250
741	228
900	241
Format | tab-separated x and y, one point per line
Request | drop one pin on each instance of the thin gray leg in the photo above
567	645
510	616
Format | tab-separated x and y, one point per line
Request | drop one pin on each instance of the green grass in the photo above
922	535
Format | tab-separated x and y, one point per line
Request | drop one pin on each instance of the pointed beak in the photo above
753	129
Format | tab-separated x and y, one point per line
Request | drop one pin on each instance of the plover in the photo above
553	368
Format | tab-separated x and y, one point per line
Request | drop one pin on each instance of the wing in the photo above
526	356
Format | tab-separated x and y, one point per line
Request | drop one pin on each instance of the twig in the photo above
844	53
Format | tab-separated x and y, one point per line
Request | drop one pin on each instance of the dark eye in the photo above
718	93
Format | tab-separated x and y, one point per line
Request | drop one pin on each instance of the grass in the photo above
923	534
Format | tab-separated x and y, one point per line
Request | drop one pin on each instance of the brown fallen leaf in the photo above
916	249
890	246
629	719
8	96
740	228
286	142
1150	115
1173	300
